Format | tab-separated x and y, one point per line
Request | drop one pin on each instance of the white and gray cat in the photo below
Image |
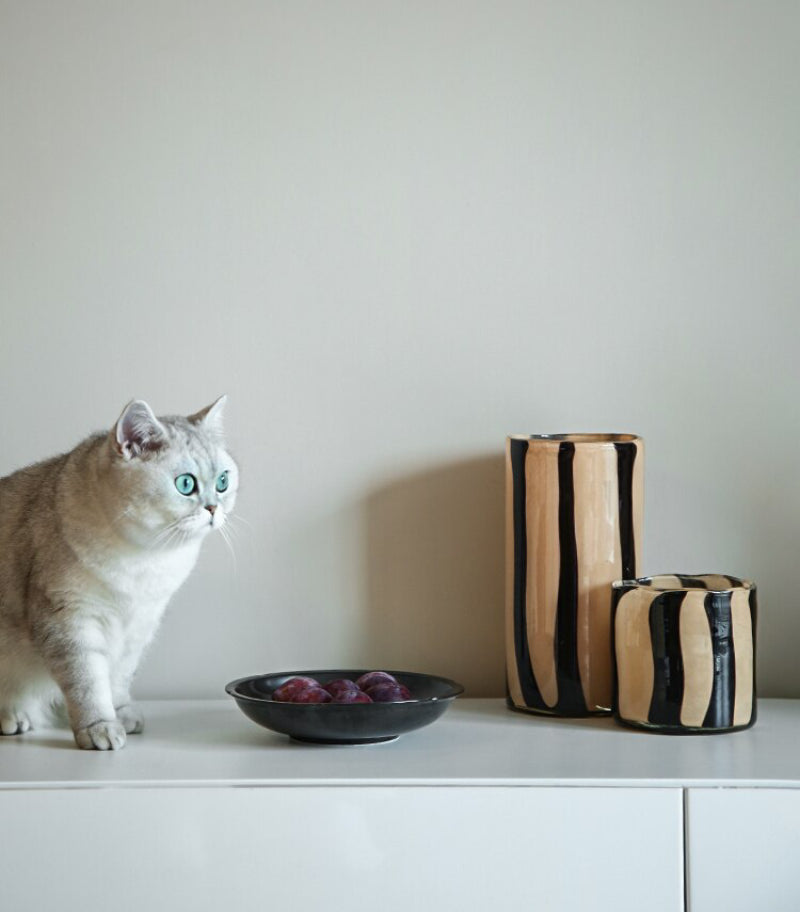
93	544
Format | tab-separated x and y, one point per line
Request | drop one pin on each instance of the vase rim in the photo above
578	438
685	582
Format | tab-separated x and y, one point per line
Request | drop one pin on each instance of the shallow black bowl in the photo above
343	723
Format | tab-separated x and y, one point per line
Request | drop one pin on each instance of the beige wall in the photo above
393	233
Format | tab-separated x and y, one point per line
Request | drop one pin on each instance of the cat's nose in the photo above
211	508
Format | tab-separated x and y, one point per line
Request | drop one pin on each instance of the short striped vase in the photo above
685	653
573	526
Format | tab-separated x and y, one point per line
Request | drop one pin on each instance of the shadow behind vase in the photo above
434	573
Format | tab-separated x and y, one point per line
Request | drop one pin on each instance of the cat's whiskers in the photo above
229	527
234	529
239	518
122	514
229	542
161	536
242	537
234	517
162	541
168	536
234	533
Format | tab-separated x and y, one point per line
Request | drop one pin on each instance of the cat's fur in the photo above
93	544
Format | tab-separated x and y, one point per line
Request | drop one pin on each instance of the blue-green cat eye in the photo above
186	484
222	482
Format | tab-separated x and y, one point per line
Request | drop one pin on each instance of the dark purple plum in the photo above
388	692
369	678
340	686
289	689
312	695
352	696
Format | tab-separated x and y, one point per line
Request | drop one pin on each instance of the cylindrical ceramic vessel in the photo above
573	525
685	653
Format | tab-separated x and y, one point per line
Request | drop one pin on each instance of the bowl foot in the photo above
349	741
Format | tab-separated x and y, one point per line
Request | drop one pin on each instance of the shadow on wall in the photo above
772	521
435	573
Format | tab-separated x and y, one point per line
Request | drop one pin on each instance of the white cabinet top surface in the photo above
477	742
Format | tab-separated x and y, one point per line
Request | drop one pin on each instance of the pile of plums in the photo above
371	687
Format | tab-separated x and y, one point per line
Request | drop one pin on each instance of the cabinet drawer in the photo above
344	848
742	849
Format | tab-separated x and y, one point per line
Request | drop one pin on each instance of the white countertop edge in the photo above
401	783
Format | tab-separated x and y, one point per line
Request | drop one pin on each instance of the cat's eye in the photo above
222	482
186	484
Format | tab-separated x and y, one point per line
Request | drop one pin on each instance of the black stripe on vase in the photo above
723	692
626	457
570	692
753	603
692	582
527	682
665	638
616	595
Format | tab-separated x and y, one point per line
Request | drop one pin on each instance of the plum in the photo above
341	686
374	677
372	686
388	692
289	689
352	696
312	695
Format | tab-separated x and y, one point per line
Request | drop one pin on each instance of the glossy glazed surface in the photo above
343	723
685	652
574	506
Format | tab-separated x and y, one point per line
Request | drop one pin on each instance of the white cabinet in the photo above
743	850
485	809
343	848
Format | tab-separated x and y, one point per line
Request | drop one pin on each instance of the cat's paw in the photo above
131	717
101	736
13	722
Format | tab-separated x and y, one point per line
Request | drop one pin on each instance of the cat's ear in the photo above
138	431
210	418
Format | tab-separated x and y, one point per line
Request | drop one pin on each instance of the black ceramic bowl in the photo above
343	723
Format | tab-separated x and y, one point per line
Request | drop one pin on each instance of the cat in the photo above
93	544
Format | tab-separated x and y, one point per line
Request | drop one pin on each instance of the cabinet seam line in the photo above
685	822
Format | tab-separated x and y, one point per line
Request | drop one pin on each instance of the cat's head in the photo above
175	479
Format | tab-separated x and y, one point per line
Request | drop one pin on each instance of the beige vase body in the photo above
574	525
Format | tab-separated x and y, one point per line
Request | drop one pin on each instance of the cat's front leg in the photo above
86	684
128	712
130	715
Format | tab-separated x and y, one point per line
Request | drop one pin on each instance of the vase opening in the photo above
578	438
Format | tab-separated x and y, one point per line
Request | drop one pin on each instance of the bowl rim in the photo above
231	688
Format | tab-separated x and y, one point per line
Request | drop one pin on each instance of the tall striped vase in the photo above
573	525
685	652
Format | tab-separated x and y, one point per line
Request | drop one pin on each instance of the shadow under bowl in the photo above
343	723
